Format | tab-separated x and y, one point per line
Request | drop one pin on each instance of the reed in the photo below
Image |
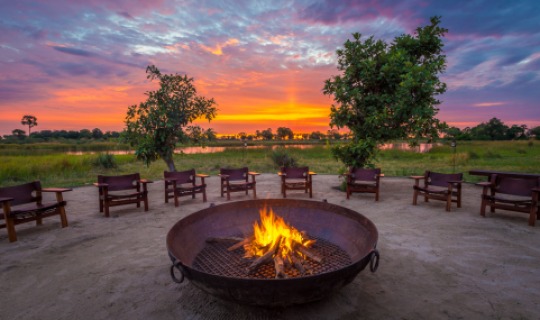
19	165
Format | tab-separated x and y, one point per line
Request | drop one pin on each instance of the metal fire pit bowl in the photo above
350	231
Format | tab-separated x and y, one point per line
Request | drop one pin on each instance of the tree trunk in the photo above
170	162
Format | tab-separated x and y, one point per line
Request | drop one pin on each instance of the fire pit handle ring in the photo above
374	260
178	266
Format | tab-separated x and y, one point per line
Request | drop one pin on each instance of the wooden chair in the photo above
237	180
439	186
296	178
120	190
363	180
182	183
24	203
519	194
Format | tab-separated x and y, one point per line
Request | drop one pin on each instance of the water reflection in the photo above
421	148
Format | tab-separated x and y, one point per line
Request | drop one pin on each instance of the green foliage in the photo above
30	121
284	132
387	91
281	158
154	126
105	161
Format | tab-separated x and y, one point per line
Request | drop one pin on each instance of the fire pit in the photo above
345	240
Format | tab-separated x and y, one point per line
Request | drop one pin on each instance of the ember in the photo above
274	239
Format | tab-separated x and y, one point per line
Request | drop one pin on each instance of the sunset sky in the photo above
80	64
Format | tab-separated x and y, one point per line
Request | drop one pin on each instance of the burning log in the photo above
298	265
279	266
240	243
267	257
309	253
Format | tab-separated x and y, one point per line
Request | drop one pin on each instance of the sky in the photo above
79	64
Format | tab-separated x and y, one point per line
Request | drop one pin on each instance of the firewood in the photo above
309	253
279	267
223	239
267	257
240	244
298	265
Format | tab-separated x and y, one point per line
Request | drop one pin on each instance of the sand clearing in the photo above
434	264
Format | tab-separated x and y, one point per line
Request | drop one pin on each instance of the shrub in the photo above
105	160
281	158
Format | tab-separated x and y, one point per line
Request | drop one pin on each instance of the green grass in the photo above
63	170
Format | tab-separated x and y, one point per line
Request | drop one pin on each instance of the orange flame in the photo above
271	229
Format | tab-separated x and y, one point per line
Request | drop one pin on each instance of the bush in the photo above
281	158
105	160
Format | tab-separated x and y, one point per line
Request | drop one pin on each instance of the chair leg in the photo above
106	208
415	197
310	191
377	195
176	201
204	194
145	202
10	226
483	207
532	216
254	191
448	202
228	194
63	216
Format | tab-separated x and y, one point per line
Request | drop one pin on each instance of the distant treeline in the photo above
49	135
494	129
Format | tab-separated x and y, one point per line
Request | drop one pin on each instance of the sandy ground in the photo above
434	264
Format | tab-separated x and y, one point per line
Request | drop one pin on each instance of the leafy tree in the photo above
516	132
535	132
154	126
316	135
97	133
30	121
267	134
387	91
242	135
18	133
283	132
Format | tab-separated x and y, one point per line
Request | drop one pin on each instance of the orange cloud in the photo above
488	104
217	49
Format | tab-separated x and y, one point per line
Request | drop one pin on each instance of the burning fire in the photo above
270	231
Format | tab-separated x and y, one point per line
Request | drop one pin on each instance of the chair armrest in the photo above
417	177
56	189
381	174
101	185
145	181
5	199
202	175
252	173
484	184
536	189
311	173
224	177
282	174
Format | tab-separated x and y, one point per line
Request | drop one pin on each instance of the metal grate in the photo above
217	260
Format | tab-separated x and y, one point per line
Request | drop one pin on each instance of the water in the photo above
422	148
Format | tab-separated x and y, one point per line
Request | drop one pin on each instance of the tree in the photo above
154	126
387	91
316	135
30	121
97	134
535	132
18	133
283	132
516	132
267	134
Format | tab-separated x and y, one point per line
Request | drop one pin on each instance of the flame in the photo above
273	228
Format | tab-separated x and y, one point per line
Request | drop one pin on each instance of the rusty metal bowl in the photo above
348	229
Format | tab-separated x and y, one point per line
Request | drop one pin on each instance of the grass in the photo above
63	170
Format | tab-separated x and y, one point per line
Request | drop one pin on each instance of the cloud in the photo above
74	51
488	104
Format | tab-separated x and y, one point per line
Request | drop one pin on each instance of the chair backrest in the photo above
23	193
295	172
187	176
235	174
122	182
364	174
512	185
441	179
